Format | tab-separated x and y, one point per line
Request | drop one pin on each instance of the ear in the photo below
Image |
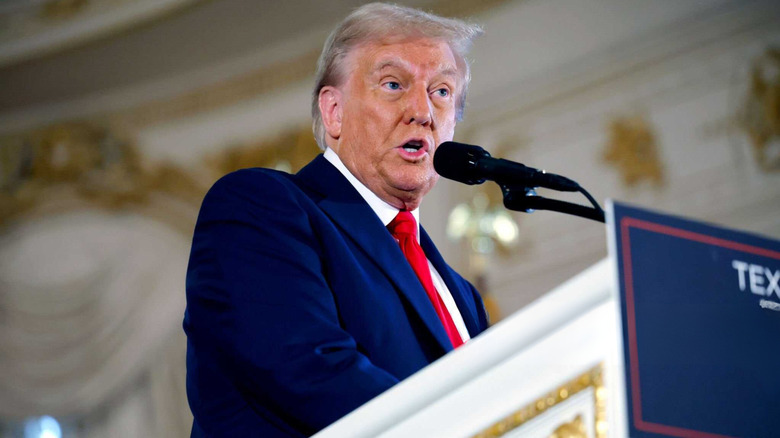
331	108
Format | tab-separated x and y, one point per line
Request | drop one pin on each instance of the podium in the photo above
544	367
568	365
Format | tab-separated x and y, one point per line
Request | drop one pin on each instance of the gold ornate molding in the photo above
83	162
573	429
88	163
592	378
760	114
633	150
289	152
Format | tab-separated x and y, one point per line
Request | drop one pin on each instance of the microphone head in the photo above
458	162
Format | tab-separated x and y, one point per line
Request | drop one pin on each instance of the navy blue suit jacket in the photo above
301	306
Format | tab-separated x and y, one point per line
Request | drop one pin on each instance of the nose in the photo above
418	107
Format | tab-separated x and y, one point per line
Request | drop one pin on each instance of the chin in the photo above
412	181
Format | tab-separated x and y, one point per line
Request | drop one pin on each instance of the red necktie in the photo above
404	229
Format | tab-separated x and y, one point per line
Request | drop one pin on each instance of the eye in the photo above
392	85
442	92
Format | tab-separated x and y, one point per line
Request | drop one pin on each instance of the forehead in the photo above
432	56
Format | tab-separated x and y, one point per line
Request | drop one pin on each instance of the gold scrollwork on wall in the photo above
632	148
83	160
289	151
593	378
86	161
760	114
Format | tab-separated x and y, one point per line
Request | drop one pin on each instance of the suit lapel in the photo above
347	209
465	303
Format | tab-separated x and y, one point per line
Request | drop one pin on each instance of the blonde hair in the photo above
378	22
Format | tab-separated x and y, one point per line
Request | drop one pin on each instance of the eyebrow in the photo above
391	63
446	70
449	71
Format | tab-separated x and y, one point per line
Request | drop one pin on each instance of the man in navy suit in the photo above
301	305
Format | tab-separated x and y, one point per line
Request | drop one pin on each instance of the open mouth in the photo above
413	146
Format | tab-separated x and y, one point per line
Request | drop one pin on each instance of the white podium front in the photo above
549	367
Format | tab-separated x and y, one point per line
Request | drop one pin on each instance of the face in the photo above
398	103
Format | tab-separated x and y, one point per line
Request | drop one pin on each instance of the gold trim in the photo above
759	117
633	150
289	152
86	162
571	429
593	378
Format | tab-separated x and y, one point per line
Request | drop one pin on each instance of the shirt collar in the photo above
385	211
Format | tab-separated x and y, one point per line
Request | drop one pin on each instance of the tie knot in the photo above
403	223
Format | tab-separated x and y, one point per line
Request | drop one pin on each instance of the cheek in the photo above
446	130
372	119
446	121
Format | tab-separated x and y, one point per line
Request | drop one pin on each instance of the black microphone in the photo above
473	165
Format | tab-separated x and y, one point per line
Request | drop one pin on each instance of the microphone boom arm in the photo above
524	199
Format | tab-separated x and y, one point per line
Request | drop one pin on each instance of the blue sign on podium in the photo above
700	308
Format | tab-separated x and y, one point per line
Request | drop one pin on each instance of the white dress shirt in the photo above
387	213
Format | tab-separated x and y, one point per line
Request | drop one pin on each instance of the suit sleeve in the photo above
257	297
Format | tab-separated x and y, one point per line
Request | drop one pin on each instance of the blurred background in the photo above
117	115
